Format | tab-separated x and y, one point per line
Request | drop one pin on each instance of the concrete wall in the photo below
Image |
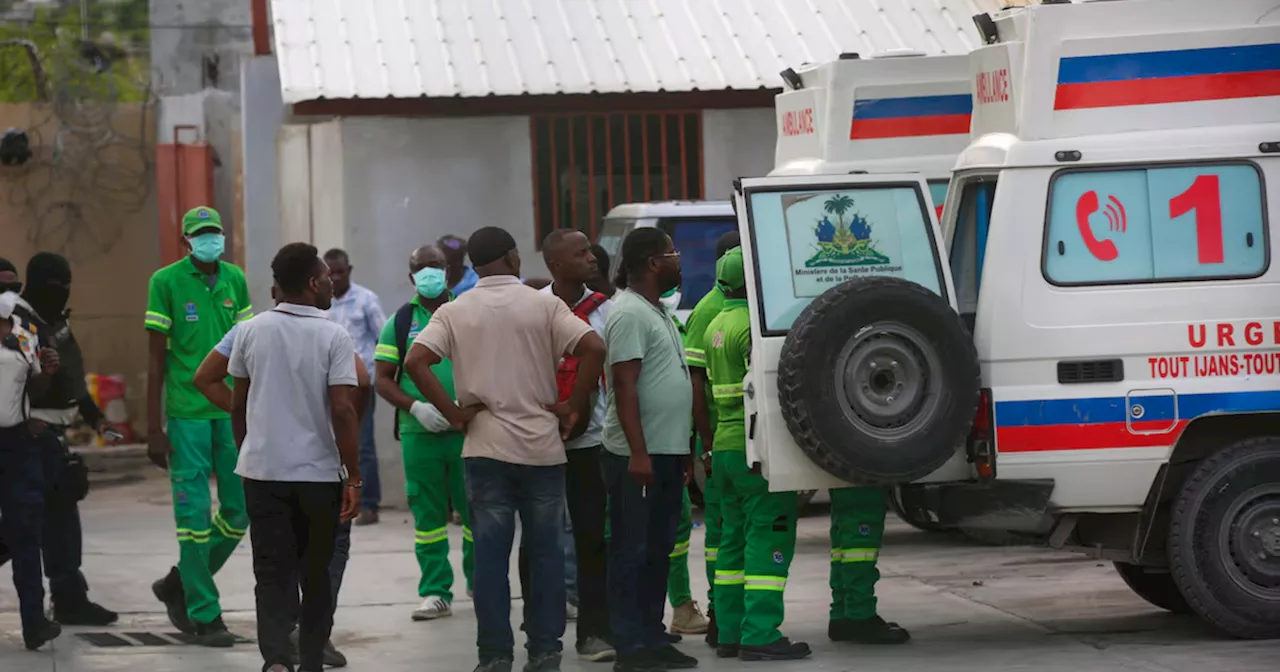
736	143
196	31
262	113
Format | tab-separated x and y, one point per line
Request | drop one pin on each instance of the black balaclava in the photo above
48	284
6	265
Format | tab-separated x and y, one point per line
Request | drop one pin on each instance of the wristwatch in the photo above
356	485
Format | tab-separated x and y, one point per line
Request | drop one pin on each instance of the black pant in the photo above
61	537
643	525
293	527
21	507
588	506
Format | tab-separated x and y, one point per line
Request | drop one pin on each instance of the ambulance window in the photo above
696	240
938	192
969	243
1191	222
808	240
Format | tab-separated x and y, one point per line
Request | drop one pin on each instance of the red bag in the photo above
567	371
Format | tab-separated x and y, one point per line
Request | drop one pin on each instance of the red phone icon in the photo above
1103	250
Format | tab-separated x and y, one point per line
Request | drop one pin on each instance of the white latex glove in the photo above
430	417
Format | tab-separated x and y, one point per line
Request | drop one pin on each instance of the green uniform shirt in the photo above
195	315
387	351
728	341
707	309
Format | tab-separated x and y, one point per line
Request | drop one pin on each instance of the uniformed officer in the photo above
758	537
704	422
857	525
432	448
21	473
191	305
53	410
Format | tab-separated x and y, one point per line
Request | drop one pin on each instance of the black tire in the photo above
914	516
1156	587
885	337
992	537
1224	548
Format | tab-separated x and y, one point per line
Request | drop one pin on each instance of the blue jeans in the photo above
21	513
496	492
642	526
371	495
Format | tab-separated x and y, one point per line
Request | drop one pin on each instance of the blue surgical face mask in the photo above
430	282
208	247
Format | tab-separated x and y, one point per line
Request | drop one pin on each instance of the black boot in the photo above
169	591
782	649
727	650
872	630
41	634
214	635
83	612
713	630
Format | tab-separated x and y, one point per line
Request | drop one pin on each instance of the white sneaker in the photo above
432	607
570	612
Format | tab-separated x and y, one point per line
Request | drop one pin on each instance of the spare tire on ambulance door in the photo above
879	381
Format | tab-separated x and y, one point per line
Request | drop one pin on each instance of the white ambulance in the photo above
1107	246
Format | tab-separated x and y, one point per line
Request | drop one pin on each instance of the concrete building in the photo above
377	127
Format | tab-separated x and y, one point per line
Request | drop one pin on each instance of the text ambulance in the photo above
1107	245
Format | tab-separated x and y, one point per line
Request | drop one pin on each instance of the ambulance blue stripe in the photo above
1161	64
1112	409
919	106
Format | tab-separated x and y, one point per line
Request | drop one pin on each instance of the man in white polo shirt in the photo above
296	429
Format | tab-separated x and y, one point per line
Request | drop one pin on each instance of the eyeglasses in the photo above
669	255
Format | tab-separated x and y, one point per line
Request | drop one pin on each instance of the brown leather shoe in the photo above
367	518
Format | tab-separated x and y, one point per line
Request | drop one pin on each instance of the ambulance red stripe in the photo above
1161	90
1093	436
903	127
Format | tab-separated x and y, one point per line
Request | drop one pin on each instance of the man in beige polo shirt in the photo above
505	340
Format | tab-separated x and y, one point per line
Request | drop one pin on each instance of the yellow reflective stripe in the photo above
194	536
680	549
246	309
158	320
386	353
730	577
466	534
859	555
726	391
432	536
713	553
772	583
226	529
695	357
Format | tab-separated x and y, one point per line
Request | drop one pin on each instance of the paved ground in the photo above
969	607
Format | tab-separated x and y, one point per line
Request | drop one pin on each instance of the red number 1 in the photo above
1203	197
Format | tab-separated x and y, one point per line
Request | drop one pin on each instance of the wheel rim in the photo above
886	380
1250	541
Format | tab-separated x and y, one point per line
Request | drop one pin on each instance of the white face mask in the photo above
671	301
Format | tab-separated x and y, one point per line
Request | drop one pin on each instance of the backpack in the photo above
567	371
403	320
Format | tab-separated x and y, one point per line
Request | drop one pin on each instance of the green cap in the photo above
729	272
202	217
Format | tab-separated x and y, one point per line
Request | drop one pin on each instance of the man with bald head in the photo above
432	447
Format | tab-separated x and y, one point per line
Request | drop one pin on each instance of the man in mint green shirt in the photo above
646	439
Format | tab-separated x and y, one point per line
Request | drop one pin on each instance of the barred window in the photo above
584	164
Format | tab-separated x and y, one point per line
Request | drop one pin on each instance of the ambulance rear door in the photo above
852	303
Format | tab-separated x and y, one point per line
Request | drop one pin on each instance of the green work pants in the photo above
204	449
758	540
432	474
678	590
711	523
857	525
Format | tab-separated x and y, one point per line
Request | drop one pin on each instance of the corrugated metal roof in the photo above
469	48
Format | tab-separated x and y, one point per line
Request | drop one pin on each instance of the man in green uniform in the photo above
432	448
758	537
857	525
704	422
191	305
